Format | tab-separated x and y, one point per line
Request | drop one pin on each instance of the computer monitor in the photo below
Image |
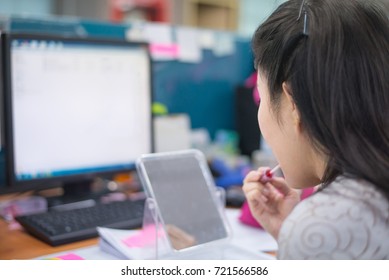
76	108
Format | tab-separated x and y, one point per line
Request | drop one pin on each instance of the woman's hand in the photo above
270	200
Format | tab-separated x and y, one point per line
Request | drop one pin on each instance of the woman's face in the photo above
287	139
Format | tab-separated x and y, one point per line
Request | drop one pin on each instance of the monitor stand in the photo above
78	194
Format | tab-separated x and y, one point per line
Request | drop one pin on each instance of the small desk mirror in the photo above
183	188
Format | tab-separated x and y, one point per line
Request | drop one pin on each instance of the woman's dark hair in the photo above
338	73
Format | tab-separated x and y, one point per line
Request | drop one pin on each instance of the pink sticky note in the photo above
164	50
70	256
143	238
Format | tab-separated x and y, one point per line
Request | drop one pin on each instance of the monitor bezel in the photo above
16	185
3	187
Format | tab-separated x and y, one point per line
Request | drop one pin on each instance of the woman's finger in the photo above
255	175
280	184
252	176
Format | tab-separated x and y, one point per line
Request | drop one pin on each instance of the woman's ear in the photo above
291	105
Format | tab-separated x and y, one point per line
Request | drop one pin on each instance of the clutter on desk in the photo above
226	176
20	206
67	257
235	197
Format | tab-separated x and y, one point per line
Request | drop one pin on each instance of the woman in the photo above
323	74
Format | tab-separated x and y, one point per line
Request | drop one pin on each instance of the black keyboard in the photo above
61	227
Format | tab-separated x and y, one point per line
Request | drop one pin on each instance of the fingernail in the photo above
266	176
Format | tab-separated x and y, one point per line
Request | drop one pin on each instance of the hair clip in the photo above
304	9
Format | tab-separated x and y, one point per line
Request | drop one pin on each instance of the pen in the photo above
269	174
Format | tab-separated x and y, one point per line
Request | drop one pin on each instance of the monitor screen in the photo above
75	107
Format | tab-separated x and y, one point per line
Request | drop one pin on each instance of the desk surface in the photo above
17	244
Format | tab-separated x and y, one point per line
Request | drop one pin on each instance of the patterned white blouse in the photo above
348	219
